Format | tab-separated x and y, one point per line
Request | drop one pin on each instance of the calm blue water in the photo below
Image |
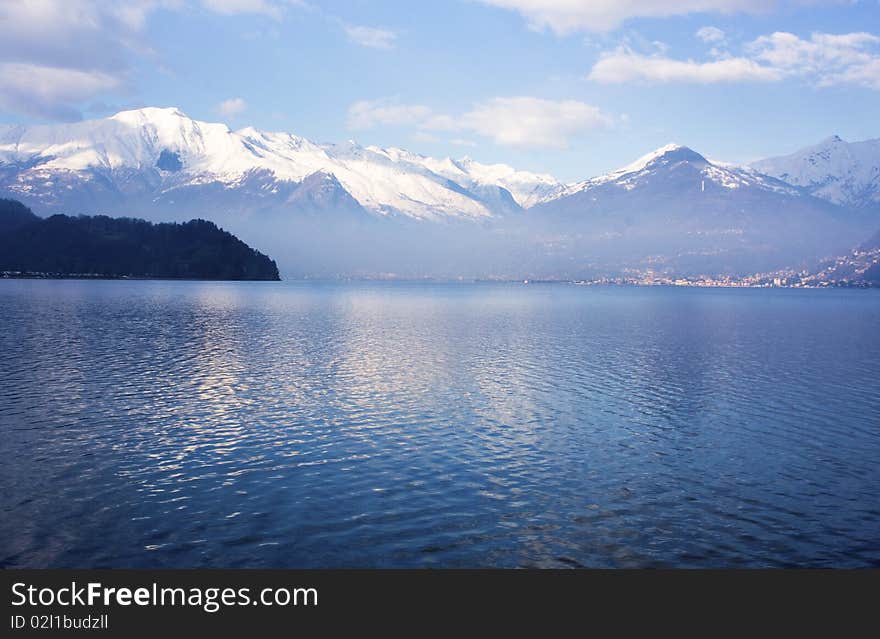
184	424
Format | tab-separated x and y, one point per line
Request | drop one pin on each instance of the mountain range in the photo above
846	173
153	157
345	209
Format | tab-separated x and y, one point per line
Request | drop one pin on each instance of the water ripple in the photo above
175	424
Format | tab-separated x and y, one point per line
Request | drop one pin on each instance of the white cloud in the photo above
786	50
823	60
710	34
625	66
270	8
367	114
51	81
48	91
828	59
528	121
72	33
93	42
508	121
82	47
866	75
568	16
370	37
232	107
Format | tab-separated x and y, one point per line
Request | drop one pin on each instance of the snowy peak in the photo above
679	153
137	117
667	155
678	165
846	173
523	186
128	140
163	148
156	154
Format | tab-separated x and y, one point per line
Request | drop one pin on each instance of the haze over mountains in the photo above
344	209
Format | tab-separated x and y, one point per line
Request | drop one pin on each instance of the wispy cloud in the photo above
271	8
49	92
822	59
370	37
508	121
232	107
711	34
568	16
827	59
528	121
367	114
626	66
56	53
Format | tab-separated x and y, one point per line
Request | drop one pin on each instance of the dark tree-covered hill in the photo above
122	247
14	214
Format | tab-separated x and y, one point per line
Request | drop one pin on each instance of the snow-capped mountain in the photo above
152	158
329	209
846	173
526	188
675	156
673	207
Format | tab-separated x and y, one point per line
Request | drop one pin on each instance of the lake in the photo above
201	424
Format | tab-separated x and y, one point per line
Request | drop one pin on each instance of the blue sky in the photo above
569	87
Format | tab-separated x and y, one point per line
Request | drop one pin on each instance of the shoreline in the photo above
367	280
87	276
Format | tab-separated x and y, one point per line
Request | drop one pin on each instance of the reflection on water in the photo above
181	424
